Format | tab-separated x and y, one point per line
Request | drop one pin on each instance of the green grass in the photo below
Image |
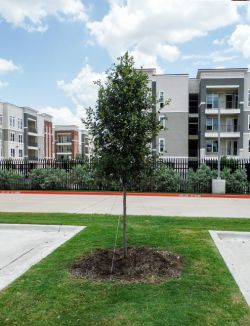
206	294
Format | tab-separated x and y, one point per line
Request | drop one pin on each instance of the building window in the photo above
212	124
64	139
248	98
20	123
161	96
20	138
248	122
12	152
162	121
12	136
212	101
161	145
10	121
1	119
249	146
212	146
20	153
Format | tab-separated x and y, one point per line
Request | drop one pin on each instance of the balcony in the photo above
227	103
227	131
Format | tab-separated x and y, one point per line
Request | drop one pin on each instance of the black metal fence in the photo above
80	175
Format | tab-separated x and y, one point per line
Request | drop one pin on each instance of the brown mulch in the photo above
141	265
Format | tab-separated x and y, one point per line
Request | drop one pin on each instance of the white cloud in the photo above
64	116
214	57
7	65
219	41
240	40
152	30
3	84
30	15
82	89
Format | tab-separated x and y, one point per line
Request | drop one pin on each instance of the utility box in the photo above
218	186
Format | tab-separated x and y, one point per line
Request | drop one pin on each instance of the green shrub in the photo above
58	179
167	179
82	176
10	179
201	180
51	179
236	182
37	177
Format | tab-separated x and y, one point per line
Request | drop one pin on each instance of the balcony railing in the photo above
32	144
33	130
224	152
225	128
223	107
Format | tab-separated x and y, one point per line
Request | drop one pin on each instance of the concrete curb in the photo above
111	193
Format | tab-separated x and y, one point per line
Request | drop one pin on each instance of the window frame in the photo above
12	152
162	139
161	98
163	119
213	141
213	125
12	136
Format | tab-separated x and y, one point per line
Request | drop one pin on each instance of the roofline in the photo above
171	75
219	70
64	126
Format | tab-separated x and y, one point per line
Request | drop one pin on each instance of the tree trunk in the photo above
125	244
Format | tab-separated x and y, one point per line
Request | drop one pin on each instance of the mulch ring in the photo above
141	265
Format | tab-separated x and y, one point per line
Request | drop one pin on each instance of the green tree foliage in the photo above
123	124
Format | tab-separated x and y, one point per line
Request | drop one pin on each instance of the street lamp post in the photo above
219	147
219	185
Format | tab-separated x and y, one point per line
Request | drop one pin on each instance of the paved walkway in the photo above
137	204
22	246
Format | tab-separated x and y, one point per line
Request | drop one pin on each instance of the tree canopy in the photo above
123	122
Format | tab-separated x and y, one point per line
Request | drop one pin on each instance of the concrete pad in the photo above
234	247
23	245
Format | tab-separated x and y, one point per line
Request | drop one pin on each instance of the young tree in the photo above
123	124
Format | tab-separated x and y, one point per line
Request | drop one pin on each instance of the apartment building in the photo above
191	120
22	133
72	142
66	142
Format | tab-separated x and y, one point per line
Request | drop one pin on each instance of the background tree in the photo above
123	124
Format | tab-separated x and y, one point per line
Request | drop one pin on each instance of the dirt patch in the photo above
141	265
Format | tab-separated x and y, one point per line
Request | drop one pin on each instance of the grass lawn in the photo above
206	294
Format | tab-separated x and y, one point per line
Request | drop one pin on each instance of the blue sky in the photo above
51	51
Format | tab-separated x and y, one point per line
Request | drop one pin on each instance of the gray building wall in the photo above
175	135
175	88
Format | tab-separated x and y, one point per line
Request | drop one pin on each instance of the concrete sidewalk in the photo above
22	246
137	205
